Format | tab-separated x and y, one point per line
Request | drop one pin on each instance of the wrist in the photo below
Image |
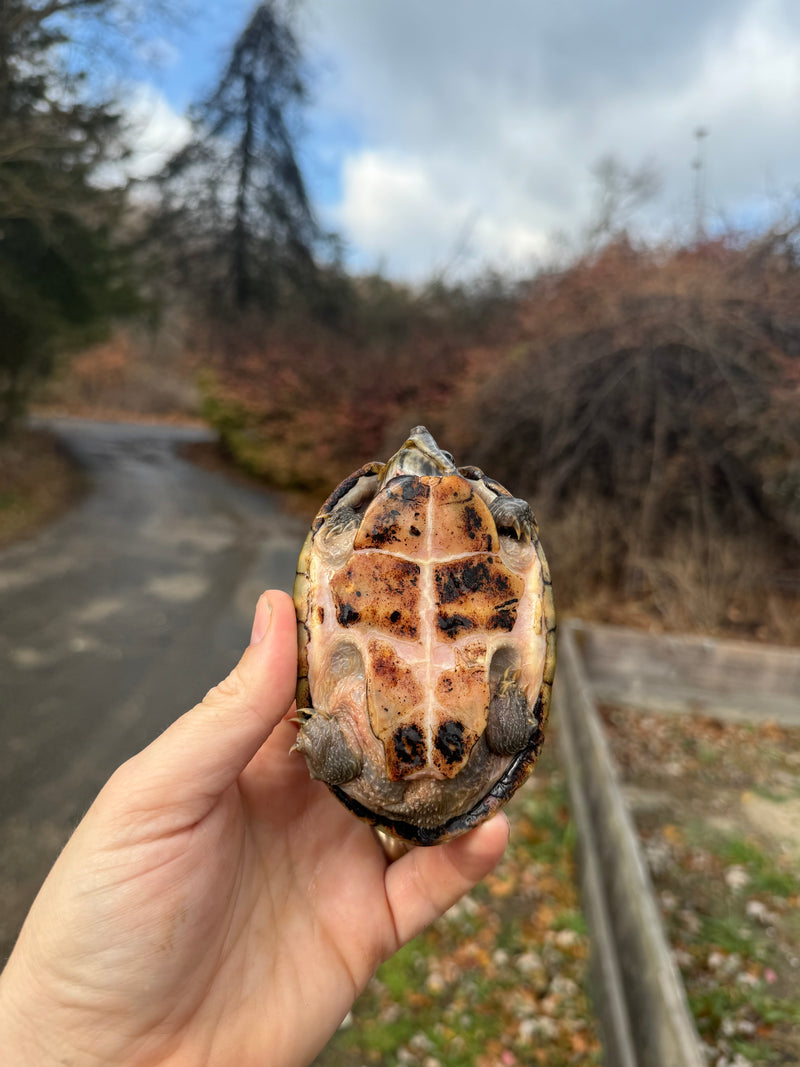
32	1030
18	1036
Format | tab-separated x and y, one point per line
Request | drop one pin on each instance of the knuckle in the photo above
230	688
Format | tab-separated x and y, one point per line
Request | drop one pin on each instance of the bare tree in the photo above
620	192
236	190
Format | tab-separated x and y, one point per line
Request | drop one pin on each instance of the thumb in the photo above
205	750
425	882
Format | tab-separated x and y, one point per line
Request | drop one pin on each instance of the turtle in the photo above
426	634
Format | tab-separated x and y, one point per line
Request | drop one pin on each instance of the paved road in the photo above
112	622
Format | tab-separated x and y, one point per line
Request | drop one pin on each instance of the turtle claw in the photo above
511	677
511	514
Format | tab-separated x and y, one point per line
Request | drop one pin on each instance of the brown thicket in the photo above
645	399
650	406
302	401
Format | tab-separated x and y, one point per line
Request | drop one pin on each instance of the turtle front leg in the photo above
513	515
335	539
329	755
511	721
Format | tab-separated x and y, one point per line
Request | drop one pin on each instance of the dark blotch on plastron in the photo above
411	488
346	615
458	581
384	530
380	536
450	741
475	528
408	744
453	625
503	620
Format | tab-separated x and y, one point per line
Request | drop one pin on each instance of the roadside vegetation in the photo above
716	806
38	482
66	268
645	399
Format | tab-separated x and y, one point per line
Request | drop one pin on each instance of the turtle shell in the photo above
427	645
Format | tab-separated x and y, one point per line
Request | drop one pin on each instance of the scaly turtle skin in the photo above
427	644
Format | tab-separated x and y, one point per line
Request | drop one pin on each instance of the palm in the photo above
236	951
218	906
282	838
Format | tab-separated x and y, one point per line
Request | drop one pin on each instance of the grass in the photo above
571	920
712	1007
766	876
732	933
737	970
729	893
500	979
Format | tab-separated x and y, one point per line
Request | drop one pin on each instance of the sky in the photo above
448	137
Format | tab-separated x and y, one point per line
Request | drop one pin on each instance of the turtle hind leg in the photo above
513	516
327	751
511	721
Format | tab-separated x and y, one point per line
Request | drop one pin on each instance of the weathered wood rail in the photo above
637	988
734	680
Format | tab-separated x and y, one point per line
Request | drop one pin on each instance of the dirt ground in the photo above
38	482
718	810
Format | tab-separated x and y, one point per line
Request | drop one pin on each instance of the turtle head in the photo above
420	455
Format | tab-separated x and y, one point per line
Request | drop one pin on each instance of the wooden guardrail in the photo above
734	680
638	991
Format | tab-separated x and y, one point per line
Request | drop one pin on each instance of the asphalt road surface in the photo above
115	620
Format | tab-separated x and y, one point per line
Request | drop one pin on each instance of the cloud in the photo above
157	53
155	131
409	220
479	124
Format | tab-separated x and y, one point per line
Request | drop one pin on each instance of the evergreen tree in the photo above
60	272
235	202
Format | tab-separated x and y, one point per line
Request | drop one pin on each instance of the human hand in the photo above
216	906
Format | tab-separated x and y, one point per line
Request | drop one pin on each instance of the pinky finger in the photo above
424	883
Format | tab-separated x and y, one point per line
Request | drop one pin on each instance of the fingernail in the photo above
262	620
